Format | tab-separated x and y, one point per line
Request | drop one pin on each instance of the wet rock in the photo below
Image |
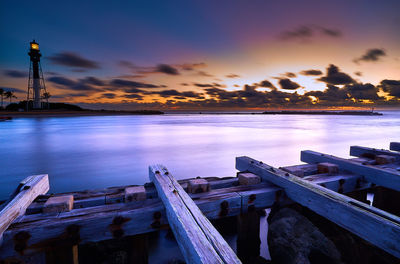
292	238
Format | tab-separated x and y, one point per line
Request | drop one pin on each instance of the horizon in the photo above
207	56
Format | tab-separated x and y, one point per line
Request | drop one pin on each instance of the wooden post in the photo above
386	178
248	240
197	238
395	146
374	225
372	153
27	191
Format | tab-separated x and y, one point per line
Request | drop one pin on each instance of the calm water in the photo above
102	151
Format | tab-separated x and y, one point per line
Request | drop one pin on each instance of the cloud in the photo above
12	89
134	96
330	32
131	84
290	75
167	69
108	95
191	66
287	84
232	75
74	60
204	74
266	84
302	32
305	33
371	55
391	86
93	81
61	81
204	85
177	94
311	72
358	73
65	83
335	76
15	73
361	91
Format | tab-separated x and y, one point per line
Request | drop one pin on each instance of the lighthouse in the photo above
36	86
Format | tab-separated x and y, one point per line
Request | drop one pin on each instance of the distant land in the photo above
311	112
63	109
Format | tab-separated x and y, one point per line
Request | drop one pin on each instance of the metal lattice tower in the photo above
36	85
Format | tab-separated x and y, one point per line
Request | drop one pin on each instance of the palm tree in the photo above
10	95
46	96
1	95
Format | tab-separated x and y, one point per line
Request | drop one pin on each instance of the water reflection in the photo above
94	152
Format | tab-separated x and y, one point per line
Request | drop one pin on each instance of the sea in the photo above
90	152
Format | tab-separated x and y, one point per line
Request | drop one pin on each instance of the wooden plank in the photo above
376	226
26	192
108	221
96	223
197	238
384	177
395	146
90	198
358	151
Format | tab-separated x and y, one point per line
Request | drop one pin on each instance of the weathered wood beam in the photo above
358	151
32	233
383	177
26	192
197	238
395	146
376	226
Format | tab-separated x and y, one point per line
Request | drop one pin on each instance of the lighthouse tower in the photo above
36	86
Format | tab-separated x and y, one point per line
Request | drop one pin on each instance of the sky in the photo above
206	55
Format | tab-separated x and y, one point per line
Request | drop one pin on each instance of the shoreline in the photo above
6	114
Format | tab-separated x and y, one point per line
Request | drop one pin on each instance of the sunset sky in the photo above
206	55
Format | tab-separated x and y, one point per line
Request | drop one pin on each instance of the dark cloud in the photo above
131	84
61	81
192	66
11	89
232	75
65	83
204	74
71	59
93	81
332	95
177	94
371	55
134	96
305	33
15	73
204	85
302	32
167	69
311	72
287	84
361	91
391	86
290	75
358	73
266	84
330	32
108	95
335	76
184	84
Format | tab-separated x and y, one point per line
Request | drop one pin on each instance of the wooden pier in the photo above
37	227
